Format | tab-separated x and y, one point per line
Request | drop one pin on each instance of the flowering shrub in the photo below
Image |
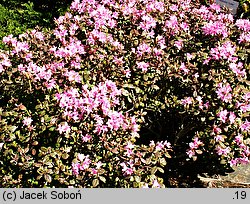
113	75
58	115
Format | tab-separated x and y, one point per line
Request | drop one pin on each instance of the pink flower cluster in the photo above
215	28
4	62
64	128
238	69
194	146
225	115
244	151
184	68
187	101
83	164
128	168
202	105
223	92
225	51
244	104
222	151
244	26
27	121
103	97
158	146
245	126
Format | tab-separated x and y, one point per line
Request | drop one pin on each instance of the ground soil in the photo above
240	178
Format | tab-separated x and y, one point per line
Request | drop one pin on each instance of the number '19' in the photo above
241	195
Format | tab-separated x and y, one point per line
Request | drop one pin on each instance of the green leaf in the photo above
95	183
65	156
198	151
153	170
163	162
13	128
155	87
47	178
102	178
160	169
137	179
51	129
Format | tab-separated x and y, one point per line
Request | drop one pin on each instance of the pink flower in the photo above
233	162
243	24
94	171
223	92
145	185
223	151
1	145
51	84
193	146
127	73
219	138
127	170
187	101
215	28
178	44
245	126
8	39
189	56
216	130
27	121
118	61
1	68
167	144
184	68
244	38
112	23
223	115
174	7
152	143
225	51
244	160
143	48
133	125
190	153
129	145
99	129
98	165
159	6
81	157
64	128
156	184
245	108
147	23
85	164
143	66
215	7
237	69
161	41
184	26
232	117
86	138
238	139
129	152
75	168
159	146
172	24
246	96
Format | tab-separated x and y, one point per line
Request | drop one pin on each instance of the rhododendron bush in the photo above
117	88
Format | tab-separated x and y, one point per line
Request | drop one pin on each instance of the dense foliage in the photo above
244	9
118	89
17	16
